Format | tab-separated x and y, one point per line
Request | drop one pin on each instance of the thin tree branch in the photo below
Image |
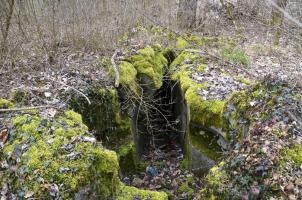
288	16
76	90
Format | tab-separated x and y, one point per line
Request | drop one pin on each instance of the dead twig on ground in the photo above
26	108
76	90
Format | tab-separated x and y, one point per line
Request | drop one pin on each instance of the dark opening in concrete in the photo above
165	120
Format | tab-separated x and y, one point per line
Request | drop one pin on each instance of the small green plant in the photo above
293	154
235	55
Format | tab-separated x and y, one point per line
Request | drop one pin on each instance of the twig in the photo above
114	66
78	91
25	108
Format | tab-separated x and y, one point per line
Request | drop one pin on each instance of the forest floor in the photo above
165	172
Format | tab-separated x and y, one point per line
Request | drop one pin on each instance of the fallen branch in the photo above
114	66
25	108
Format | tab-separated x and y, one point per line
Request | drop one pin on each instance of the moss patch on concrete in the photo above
181	70
58	158
151	63
128	76
127	158
103	115
207	113
52	152
201	139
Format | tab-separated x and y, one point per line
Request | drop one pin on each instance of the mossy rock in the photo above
275	97
56	157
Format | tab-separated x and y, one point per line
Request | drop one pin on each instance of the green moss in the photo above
201	68
181	43
184	188
207	113
244	80
216	183
183	71
130	193
128	76
184	56
191	180
185	164
293	154
217	175
206	143
103	115
106	63
4	104
235	55
200	41
128	73
127	158
76	117
150	63
46	158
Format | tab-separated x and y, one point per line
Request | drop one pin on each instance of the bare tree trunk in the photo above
277	19
8	13
186	14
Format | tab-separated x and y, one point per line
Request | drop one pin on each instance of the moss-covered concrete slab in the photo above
56	157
